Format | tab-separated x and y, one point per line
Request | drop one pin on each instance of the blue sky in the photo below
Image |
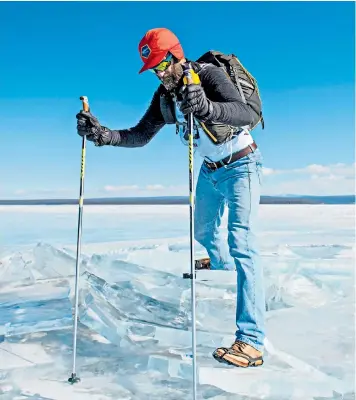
302	55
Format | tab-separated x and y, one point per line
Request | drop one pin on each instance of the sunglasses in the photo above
163	65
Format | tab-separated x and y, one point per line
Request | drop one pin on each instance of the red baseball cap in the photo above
155	45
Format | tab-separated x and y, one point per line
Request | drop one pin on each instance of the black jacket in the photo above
228	108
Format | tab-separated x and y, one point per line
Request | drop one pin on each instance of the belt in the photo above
230	159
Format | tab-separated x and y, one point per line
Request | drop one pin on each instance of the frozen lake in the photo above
134	332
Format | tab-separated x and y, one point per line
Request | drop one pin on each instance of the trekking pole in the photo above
74	378
188	80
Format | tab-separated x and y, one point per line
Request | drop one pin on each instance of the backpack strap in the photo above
233	71
238	84
199	66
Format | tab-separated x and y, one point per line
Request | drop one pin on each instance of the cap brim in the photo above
154	60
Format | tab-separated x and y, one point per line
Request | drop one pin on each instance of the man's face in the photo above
171	75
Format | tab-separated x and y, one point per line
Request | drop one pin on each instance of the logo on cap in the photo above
145	51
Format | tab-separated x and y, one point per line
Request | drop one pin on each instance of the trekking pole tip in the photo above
74	378
85	103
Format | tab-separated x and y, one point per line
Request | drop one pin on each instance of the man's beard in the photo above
171	80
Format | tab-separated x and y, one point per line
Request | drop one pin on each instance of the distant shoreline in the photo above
180	200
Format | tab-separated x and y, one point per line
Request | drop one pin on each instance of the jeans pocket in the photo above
238	163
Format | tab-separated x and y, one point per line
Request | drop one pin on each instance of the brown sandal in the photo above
240	354
202	263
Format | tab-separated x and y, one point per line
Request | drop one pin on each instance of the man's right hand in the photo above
89	126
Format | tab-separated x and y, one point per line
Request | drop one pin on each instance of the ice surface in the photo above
134	338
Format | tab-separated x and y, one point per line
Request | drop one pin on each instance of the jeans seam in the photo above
248	243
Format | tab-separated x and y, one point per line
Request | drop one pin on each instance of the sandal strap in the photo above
250	360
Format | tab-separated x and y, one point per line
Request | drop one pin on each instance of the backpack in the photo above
245	83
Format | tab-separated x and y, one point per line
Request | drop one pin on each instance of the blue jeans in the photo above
236	186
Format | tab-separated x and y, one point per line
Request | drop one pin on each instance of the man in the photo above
230	174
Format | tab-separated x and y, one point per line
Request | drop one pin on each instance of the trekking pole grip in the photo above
85	103
190	76
188	80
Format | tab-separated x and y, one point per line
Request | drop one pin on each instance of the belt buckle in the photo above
211	165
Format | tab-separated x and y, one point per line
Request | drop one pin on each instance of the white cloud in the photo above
315	179
338	169
110	188
315	169
269	171
154	187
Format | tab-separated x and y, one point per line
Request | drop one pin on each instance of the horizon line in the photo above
179	200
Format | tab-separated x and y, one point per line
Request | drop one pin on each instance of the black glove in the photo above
195	101
89	126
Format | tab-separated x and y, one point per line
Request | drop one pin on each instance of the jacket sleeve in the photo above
148	126
226	105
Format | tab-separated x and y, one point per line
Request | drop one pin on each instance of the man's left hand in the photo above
195	101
